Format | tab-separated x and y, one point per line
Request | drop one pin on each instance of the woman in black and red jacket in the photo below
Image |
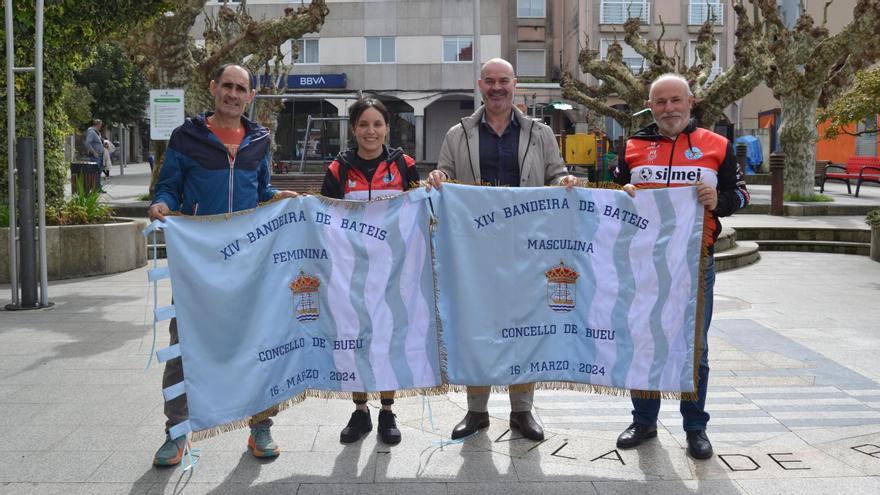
370	170
366	172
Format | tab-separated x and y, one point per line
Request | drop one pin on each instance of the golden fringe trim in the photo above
434	391
601	185
351	204
442	352
587	387
698	318
302	396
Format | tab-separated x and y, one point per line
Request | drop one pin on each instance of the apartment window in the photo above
380	50
701	10
618	11
631	58
716	65
458	49
530	8
531	63
307	51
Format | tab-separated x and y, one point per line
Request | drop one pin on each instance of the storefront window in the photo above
402	133
320	143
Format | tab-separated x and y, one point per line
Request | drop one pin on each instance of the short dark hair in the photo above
220	70
359	107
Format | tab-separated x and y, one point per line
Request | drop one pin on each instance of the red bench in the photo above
858	168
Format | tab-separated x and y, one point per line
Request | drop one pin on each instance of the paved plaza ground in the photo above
794	395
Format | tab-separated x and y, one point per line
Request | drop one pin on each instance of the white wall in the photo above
407	49
439	117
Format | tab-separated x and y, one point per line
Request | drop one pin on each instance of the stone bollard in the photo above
777	183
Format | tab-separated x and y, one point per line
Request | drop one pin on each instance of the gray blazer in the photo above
540	163
94	144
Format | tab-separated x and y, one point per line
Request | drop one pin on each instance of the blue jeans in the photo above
695	417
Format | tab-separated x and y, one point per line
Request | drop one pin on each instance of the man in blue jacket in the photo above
217	162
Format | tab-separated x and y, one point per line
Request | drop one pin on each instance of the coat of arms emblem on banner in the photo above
305	296
561	287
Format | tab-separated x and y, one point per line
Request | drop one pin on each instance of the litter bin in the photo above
87	172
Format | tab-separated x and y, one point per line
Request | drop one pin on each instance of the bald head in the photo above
670	100
496	64
497	84
670	80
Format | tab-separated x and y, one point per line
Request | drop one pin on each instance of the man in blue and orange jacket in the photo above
217	162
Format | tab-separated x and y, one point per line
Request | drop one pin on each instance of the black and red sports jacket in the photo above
696	155
346	177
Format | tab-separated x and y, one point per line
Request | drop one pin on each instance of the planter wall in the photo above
74	251
875	243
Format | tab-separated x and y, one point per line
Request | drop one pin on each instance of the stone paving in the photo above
794	396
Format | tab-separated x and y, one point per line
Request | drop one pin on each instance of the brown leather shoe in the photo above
472	422
526	424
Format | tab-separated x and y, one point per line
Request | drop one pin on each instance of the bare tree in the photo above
170	58
712	94
808	69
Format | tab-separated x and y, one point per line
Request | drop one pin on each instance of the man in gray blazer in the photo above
499	146
95	146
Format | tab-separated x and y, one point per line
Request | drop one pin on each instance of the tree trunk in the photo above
798	136
157	165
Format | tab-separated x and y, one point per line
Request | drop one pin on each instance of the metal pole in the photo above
125	144
475	50
10	151
41	156
302	158
27	234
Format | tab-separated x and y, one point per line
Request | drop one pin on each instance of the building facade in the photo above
417	57
414	55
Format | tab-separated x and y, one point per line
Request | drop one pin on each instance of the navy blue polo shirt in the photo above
499	165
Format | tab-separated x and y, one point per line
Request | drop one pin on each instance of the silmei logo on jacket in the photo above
675	174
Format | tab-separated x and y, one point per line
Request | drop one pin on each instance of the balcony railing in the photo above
618	11
700	10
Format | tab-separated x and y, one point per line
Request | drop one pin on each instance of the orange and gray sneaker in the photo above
261	444
171	452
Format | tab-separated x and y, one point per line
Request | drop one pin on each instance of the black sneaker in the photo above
388	432
358	426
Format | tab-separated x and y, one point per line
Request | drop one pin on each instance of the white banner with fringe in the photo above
585	288
582	289
301	296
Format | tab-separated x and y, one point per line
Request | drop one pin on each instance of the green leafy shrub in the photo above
82	208
813	198
873	218
4	215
